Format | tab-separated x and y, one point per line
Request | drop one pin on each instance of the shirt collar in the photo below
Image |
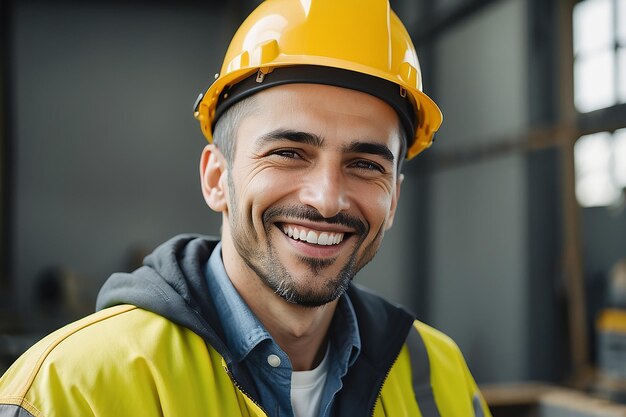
345	330
231	308
249	332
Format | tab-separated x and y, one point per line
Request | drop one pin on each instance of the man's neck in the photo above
302	332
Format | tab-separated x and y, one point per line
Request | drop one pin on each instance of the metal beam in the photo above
572	266
7	298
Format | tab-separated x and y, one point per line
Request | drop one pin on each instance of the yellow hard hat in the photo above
358	44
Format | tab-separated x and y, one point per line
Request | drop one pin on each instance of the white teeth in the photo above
324	238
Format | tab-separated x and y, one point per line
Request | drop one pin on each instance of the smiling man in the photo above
317	105
313	186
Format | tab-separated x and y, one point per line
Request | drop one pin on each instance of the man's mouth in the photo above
312	236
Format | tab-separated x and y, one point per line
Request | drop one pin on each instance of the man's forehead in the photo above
323	111
302	99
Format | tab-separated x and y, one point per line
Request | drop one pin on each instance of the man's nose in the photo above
325	190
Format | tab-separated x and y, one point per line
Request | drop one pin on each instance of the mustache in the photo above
309	213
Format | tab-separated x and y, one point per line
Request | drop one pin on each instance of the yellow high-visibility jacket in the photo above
130	361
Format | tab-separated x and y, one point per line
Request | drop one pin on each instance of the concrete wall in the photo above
478	243
106	146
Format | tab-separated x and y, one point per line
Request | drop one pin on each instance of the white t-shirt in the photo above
307	388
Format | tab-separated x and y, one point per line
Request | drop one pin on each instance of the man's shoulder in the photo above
84	333
106	338
122	360
123	326
376	314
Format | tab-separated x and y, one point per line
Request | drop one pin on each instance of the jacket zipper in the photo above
242	390
380	389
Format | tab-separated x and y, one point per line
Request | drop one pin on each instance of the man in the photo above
317	104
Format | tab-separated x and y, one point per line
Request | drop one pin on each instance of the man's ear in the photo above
213	171
394	202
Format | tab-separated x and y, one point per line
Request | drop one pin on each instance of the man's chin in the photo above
310	299
301	293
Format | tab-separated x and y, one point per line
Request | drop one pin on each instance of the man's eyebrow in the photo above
371	148
306	138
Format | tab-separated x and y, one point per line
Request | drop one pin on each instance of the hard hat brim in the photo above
391	93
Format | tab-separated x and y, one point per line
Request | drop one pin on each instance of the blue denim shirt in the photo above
251	344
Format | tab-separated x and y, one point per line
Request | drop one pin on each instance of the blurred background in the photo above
510	228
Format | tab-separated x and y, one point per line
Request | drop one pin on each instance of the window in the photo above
599	82
600	161
599	54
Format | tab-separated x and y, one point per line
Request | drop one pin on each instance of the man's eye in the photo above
368	165
286	153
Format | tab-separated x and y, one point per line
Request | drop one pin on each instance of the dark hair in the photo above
225	130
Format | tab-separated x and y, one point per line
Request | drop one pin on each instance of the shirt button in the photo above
273	360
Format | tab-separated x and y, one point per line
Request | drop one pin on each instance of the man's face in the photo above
312	188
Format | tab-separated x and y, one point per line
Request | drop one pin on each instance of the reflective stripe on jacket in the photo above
93	367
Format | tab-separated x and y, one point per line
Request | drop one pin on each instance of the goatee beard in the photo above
274	274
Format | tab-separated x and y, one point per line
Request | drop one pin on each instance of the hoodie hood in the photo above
172	284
